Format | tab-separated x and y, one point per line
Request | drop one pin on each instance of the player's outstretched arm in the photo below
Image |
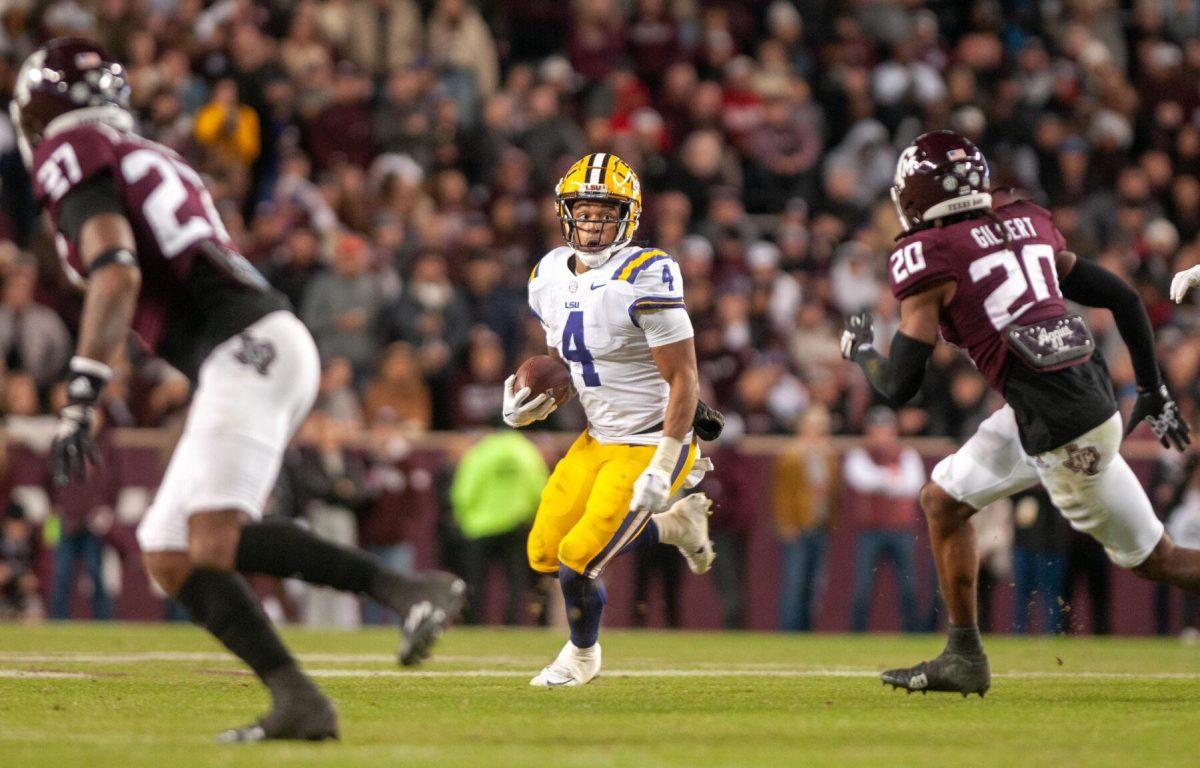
106	247
898	376
1089	284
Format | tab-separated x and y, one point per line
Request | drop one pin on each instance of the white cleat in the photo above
693	511
573	667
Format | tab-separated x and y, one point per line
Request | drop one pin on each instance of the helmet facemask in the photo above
593	251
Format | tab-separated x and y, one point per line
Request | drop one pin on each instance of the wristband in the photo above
86	379
666	456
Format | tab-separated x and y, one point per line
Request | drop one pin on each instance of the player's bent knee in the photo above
540	559
576	551
1156	567
168	569
213	539
941	506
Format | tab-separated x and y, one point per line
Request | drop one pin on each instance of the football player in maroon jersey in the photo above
994	280
140	236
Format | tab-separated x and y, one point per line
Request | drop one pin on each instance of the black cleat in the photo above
307	717
949	672
426	604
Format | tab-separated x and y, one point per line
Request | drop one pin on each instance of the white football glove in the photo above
1188	278
652	489
519	410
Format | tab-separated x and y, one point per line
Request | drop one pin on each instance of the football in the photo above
542	373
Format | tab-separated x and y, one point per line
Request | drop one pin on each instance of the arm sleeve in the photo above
1094	286
898	376
655	297
94	196
666	326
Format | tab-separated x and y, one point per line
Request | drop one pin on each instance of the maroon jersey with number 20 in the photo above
997	283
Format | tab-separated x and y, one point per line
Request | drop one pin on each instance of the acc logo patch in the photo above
1085	460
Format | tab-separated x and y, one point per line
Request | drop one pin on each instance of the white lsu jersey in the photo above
603	324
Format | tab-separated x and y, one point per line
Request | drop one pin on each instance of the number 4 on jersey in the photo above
575	349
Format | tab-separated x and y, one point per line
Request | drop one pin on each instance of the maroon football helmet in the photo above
67	75
940	174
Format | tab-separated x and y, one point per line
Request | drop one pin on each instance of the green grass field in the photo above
153	695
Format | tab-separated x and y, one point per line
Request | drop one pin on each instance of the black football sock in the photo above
223	603
283	549
964	641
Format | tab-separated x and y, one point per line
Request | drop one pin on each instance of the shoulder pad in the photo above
632	265
919	262
67	159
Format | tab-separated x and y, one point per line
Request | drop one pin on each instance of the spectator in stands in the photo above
336	396
1040	542
431	315
334	487
342	130
32	337
461	45
229	129
85	514
479	391
657	562
398	395
1183	525
18	582
550	138
885	478
342	306
378	35
494	495
731	526
784	149
493	303
993	526
296	263
1087	561
805	498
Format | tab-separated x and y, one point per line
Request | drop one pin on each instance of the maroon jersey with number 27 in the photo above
998	284
182	310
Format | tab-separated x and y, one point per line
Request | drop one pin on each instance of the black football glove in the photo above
1156	407
73	447
708	421
857	334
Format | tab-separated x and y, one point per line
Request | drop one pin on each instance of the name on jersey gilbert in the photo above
1020	228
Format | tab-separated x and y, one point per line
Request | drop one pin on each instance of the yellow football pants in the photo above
584	519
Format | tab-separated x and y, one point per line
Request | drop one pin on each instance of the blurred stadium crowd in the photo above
390	165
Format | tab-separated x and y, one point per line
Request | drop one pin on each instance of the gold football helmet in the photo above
600	177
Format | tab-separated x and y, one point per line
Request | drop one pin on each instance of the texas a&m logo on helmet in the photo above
940	174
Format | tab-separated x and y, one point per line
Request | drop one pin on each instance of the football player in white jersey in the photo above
615	314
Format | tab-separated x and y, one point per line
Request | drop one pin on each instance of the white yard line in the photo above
487	667
121	657
781	673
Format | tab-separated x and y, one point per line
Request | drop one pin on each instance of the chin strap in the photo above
597	259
